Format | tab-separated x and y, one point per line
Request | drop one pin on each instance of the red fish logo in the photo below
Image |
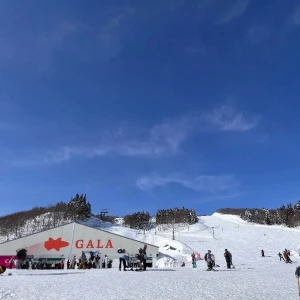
55	244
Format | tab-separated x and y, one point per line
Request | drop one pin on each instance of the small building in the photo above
66	241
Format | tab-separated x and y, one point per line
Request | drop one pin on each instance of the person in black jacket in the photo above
227	256
122	260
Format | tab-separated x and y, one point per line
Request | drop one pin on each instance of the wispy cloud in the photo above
206	183
110	33
226	118
163	139
235	11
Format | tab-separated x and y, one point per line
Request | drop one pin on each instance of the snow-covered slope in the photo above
216	233
254	277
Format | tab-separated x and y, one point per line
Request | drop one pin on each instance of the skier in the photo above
280	256
228	258
262	253
193	259
207	258
286	255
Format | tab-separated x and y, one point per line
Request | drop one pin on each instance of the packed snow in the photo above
254	277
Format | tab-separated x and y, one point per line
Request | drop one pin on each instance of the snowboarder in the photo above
262	253
228	258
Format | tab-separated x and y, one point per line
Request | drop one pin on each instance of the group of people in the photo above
285	256
210	260
92	262
140	260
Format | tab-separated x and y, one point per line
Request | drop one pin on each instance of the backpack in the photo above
205	257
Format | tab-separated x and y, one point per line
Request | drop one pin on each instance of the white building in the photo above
65	241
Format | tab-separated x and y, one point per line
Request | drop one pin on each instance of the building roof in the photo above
76	222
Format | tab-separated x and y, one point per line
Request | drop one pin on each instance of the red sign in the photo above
4	260
55	244
90	244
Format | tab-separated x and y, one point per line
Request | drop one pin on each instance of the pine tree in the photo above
78	208
267	219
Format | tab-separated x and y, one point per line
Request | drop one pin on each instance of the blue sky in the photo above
149	104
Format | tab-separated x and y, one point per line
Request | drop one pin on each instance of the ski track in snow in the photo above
255	277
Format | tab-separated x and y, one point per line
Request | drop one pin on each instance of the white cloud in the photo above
235	11
164	139
208	183
226	118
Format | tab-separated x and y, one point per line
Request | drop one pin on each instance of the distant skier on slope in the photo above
286	255
280	256
228	258
262	253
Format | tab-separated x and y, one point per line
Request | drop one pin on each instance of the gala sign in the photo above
90	244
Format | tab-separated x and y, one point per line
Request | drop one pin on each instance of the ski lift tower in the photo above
103	212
